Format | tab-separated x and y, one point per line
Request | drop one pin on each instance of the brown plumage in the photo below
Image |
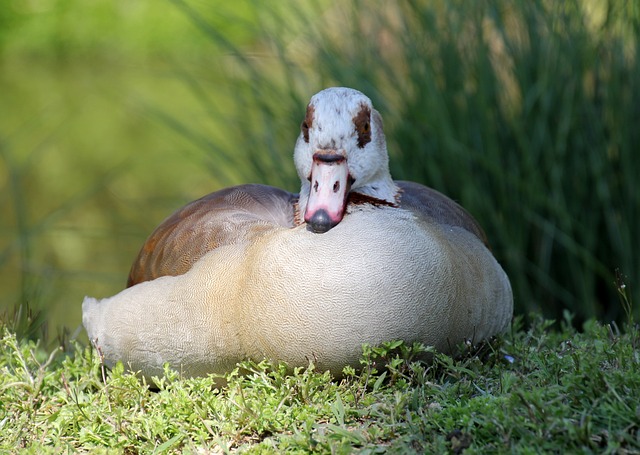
234	214
225	217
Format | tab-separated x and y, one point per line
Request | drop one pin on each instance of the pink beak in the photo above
330	185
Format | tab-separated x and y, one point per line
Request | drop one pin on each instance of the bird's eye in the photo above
307	123
305	131
364	134
363	127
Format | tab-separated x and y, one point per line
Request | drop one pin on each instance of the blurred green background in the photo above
115	113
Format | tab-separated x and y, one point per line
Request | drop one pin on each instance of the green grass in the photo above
528	391
524	112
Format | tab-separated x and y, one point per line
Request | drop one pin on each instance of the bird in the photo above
255	272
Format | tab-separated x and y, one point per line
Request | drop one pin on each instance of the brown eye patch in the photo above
362	122
307	123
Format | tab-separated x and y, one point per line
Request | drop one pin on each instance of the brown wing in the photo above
425	201
225	217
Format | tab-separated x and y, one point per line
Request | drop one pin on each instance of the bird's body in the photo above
257	272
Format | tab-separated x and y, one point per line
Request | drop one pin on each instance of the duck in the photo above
254	272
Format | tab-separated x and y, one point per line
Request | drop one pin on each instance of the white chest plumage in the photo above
295	296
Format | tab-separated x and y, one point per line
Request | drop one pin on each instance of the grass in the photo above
522	111
528	391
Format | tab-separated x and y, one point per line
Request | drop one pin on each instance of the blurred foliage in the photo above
116	113
70	29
